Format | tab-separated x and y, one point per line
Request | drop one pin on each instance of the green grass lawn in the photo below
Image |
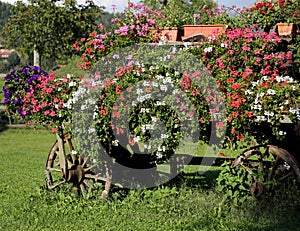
26	205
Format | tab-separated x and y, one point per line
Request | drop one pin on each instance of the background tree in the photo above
48	27
13	60
5	12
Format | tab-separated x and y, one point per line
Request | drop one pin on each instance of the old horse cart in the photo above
278	166
272	163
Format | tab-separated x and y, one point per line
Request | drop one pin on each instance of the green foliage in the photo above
49	28
71	67
234	183
11	63
5	13
13	60
3	66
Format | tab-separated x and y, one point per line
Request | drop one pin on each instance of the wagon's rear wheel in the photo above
273	169
79	174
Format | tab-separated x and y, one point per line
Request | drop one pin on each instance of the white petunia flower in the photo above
254	84
115	142
208	49
249	92
271	92
268	113
137	139
72	84
164	136
282	133
91	130
163	88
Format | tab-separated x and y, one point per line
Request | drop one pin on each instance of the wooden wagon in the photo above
278	165
275	162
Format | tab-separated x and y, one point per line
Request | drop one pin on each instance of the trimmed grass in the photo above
190	205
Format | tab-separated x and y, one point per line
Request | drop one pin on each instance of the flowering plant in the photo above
136	26
267	13
231	16
33	94
253	71
158	112
255	77
17	84
142	120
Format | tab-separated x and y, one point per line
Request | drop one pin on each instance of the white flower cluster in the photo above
296	112
115	142
249	92
224	45
282	133
261	118
271	92
208	49
137	139
287	79
160	149
142	98
147	127
145	110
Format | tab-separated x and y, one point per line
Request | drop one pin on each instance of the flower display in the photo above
152	104
33	94
267	13
136	26
17	84
158	112
230	16
252	68
256	78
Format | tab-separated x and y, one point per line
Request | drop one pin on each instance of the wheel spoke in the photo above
273	168
247	168
85	160
88	184
89	168
286	176
96	177
53	169
56	185
83	190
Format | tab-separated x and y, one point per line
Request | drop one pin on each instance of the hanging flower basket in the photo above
286	29
170	34
204	30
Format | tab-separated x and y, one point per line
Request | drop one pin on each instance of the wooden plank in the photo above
186	159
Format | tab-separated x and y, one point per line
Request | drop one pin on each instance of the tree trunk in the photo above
36	58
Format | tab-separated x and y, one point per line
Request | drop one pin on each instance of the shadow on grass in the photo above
193	180
4	121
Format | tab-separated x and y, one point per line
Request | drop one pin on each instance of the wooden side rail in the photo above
186	159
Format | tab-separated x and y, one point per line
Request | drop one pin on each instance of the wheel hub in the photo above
257	189
76	175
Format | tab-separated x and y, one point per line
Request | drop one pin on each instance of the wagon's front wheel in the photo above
273	169
77	172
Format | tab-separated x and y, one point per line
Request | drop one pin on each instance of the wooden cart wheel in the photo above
79	173
272	168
